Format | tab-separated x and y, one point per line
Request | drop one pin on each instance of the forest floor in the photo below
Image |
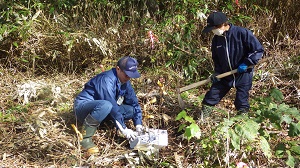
38	133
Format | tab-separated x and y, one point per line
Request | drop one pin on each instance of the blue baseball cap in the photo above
129	65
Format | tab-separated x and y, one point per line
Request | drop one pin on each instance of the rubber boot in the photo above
205	111
89	128
243	111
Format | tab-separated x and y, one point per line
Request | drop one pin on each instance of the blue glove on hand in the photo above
242	68
213	78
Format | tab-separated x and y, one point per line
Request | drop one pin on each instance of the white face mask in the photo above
218	32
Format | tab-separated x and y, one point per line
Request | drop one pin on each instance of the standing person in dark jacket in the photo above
109	94
232	47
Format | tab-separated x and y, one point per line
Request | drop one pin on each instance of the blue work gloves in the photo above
242	68
213	78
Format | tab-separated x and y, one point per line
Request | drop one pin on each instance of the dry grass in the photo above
41	134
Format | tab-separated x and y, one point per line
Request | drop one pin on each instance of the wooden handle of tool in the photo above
193	85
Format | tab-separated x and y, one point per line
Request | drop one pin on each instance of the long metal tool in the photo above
194	85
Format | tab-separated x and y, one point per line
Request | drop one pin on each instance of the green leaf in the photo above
268	100
232	120
165	164
292	111
225	125
181	115
279	150
238	129
177	37
196	132
295	149
24	60
52	9
276	94
283	107
235	139
188	133
275	119
189	119
192	131
250	129
285	118
258	112
15	44
294	143
294	129
181	127
272	106
265	147
291	160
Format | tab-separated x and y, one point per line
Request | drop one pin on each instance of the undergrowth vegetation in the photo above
49	49
270	121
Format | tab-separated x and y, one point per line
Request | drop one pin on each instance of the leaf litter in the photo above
41	134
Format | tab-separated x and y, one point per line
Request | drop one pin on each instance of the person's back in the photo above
91	88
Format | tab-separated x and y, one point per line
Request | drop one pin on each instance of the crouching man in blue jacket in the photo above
232	47
109	94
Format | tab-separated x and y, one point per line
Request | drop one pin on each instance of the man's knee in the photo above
127	111
105	106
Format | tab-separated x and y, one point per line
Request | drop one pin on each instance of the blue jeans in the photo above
99	110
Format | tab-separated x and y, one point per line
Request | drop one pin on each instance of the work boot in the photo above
243	111
205	111
89	128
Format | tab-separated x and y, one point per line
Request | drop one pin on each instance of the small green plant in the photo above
64	107
272	113
191	129
11	115
7	117
263	132
272	119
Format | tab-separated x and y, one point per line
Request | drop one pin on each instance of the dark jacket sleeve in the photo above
254	48
131	99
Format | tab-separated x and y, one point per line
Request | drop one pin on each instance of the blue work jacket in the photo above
237	45
106	86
